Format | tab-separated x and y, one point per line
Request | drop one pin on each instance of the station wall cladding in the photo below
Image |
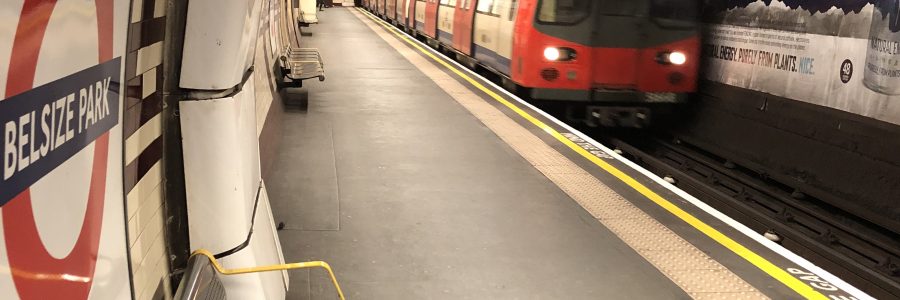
144	176
808	92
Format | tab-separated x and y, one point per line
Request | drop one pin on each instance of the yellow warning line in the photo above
755	259
281	267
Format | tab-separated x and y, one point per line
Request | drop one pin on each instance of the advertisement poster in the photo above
841	54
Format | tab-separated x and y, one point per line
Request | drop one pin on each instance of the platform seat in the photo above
301	64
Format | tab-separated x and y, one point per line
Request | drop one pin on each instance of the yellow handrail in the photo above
280	267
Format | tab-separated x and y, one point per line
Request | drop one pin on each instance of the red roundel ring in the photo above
36	274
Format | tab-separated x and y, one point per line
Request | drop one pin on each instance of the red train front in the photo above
617	55
611	62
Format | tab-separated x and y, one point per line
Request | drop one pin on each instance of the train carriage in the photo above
612	58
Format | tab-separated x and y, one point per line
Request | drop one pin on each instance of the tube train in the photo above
610	62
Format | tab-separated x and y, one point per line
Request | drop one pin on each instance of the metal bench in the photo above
301	64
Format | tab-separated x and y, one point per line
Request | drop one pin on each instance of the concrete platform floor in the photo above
408	196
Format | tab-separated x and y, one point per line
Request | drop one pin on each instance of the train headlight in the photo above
677	58
551	53
559	54
673	58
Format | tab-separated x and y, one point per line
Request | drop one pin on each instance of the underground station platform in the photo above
484	149
415	178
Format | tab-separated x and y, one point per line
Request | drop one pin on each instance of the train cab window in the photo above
564	11
685	10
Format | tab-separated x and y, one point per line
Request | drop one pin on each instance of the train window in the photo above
485	6
466	4
512	9
445	2
451	2
686	10
498	4
564	11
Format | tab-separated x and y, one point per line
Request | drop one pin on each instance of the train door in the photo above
400	12
420	15
463	21
411	14
431	18
445	21
486	36
505	31
390	9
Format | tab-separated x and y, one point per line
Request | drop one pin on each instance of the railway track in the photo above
862	253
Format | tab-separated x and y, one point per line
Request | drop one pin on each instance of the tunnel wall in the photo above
804	92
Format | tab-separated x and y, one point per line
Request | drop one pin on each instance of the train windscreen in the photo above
563	11
677	10
683	10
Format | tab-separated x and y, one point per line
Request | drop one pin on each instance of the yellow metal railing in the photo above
279	267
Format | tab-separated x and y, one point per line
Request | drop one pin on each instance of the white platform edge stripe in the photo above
784	252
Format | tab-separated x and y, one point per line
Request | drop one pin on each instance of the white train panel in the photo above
445	21
420	15
493	34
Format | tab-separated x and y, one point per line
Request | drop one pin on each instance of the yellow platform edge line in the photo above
766	266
